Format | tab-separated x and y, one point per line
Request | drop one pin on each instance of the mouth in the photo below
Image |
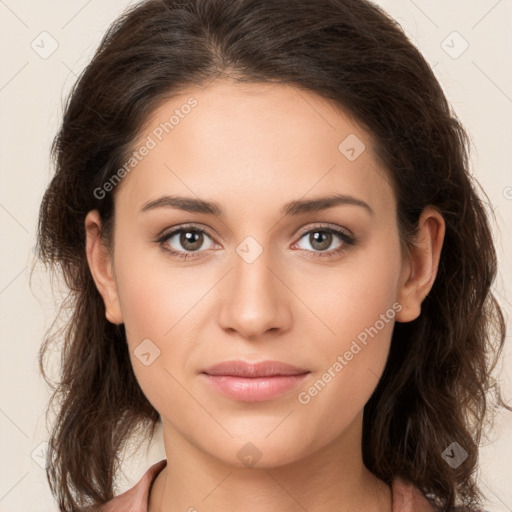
251	382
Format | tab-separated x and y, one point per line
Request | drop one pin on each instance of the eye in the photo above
322	238
185	240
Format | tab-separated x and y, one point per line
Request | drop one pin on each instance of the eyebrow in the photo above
296	207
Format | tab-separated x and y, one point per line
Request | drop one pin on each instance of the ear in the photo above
420	269
102	270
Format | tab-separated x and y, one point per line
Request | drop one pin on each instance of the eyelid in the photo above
325	226
188	225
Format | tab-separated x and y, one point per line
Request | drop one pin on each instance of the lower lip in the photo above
254	389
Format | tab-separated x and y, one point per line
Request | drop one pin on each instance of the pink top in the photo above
406	497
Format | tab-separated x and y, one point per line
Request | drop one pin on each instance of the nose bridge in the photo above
254	300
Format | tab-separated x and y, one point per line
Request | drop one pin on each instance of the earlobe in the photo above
420	271
100	265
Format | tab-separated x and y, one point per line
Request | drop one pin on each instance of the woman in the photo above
275	251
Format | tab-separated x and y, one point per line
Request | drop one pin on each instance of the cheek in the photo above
156	297
158	333
354	358
357	307
161	306
356	297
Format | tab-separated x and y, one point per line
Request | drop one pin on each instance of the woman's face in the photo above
266	280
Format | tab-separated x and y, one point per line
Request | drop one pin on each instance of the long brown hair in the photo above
435	387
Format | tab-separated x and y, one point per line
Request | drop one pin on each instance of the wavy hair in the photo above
436	385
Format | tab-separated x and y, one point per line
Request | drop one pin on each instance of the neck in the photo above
332	478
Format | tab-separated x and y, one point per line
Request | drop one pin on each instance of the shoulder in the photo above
136	498
408	498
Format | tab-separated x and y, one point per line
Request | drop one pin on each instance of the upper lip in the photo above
262	369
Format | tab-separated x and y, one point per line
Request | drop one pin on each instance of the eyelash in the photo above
348	240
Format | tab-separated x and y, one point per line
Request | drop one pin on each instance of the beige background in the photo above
33	86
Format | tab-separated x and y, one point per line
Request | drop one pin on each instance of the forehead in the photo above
253	142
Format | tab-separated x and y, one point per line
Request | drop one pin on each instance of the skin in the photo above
252	148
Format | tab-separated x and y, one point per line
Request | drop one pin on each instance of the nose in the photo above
255	298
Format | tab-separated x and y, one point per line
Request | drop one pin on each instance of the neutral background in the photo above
45	46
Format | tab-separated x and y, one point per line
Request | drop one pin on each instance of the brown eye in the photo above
320	240
191	240
185	240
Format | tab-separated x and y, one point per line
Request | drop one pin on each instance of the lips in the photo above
254	370
254	382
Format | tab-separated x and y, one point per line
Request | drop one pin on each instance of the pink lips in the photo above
254	382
